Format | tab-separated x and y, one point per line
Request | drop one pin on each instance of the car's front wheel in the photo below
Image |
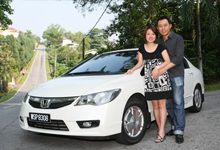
134	122
197	100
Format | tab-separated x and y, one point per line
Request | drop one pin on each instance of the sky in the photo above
38	15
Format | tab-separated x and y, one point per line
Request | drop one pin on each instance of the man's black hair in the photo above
162	18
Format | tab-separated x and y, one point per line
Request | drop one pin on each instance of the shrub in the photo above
9	89
2	94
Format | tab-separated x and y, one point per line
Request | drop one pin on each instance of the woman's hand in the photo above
129	72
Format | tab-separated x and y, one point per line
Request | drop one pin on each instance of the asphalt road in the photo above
202	129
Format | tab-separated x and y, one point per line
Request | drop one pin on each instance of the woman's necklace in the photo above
150	48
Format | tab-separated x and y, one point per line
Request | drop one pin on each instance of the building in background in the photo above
9	31
91	51
70	43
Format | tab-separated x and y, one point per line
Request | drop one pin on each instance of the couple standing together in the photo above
162	59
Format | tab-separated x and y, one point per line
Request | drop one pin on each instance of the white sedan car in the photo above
95	99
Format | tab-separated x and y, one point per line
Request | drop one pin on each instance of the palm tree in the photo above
186	12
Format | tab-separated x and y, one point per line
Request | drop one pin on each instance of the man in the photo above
175	47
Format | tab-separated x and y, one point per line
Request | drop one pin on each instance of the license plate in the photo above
39	117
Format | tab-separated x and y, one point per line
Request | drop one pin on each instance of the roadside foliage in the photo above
15	54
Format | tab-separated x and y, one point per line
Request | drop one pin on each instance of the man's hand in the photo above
161	71
155	73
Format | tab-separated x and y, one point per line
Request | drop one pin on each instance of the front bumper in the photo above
109	115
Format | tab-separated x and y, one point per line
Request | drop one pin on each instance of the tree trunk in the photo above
199	36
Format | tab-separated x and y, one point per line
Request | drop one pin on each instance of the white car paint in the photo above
109	114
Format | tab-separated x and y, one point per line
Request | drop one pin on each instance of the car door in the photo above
189	82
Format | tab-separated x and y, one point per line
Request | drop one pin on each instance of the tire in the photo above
197	100
134	122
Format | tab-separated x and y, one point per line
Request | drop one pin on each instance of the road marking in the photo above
9	106
13	104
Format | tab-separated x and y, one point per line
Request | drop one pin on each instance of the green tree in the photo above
78	37
5	9
63	54
188	9
15	53
54	34
69	35
74	56
197	21
14	47
97	38
61	69
37	39
131	17
31	37
6	60
89	5
26	49
28	46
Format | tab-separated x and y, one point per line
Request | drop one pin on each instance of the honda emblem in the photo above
45	103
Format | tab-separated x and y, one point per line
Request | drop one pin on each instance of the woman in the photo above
154	57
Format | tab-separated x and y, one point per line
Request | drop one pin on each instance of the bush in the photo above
71	64
9	89
2	94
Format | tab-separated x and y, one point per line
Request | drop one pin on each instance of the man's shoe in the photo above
179	138
170	133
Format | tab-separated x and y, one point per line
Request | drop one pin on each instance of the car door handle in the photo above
190	74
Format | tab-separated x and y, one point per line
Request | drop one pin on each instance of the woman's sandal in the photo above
160	139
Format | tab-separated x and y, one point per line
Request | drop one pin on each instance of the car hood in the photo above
70	86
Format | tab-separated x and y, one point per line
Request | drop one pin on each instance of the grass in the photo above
9	95
48	68
212	87
32	61
23	79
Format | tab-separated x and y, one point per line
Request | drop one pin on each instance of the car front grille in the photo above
53	125
52	105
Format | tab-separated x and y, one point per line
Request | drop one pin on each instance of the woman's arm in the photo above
166	59
138	65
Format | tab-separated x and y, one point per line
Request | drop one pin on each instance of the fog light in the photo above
88	123
21	118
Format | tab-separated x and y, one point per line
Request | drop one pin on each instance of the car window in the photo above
186	65
115	62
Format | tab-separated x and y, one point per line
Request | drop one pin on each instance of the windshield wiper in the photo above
86	72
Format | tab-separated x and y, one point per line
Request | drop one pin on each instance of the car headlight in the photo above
98	98
25	98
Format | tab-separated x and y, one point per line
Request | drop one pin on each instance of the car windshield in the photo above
108	63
